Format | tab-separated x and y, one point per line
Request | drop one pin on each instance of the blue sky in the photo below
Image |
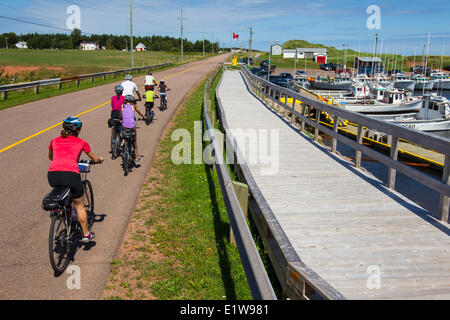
405	24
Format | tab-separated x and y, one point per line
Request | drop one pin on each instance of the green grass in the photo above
77	62
185	225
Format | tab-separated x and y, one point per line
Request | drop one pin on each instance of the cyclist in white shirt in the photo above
129	87
150	80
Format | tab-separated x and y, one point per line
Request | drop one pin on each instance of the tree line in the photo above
110	42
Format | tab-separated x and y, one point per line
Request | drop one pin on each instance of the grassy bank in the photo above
177	244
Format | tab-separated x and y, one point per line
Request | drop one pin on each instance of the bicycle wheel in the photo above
115	143
126	158
88	198
59	245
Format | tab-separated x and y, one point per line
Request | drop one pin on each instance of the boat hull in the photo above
331	86
425	125
380	108
441	85
424	85
405	85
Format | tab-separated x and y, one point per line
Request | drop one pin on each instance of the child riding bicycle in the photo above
127	115
149	97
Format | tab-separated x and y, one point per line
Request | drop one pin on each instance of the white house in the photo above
290	54
89	46
276	50
21	45
141	47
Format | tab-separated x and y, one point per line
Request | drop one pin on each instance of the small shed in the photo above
276	50
368	65
141	47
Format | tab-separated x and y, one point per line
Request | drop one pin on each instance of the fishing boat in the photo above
434	115
384	101
441	81
330	83
301	80
422	82
403	82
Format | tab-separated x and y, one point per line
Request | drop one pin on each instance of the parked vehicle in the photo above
300	73
447	68
325	66
286	75
335	66
420	69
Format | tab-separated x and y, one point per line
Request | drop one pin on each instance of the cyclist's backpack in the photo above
58	198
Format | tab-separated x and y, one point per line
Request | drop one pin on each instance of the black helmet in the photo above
130	98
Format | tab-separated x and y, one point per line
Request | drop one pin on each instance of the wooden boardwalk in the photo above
342	222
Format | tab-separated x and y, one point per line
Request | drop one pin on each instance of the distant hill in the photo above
332	51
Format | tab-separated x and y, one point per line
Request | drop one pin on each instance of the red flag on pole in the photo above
235	36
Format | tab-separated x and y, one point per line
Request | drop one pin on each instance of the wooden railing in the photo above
309	106
257	277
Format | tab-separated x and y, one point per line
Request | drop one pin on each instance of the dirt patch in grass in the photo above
25	69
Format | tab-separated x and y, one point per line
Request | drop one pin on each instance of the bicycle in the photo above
116	129
128	136
65	230
148	113
163	101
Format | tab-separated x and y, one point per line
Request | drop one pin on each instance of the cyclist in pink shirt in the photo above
64	153
117	102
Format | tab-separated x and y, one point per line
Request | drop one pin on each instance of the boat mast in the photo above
426	60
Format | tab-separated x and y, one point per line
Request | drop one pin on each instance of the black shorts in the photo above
67	179
115	114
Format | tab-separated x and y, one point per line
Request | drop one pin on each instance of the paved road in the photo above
25	271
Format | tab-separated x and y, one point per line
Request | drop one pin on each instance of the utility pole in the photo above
6	42
131	34
250	55
181	20
203	40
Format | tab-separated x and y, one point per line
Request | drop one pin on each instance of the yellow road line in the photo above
87	111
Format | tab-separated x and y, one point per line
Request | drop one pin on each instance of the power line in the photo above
39	24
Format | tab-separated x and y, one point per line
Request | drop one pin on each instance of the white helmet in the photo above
129	77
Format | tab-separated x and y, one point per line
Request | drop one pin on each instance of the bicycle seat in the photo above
58	198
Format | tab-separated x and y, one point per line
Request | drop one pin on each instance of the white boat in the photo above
403	82
422	82
384	101
440	80
302	80
433	116
329	83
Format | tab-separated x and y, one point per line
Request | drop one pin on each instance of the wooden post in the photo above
78	83
4	95
104	77
212	118
394	156
60	86
316	131
335	129
36	90
359	140
445	200
304	112
241	191
92	79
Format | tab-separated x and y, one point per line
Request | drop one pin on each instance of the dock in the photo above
356	236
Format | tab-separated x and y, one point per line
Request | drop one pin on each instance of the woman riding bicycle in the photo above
117	102
64	153
129	121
